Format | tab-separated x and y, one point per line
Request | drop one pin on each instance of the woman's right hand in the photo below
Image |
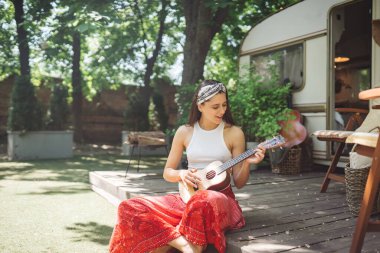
189	177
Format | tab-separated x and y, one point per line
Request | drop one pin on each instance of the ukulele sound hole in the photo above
210	174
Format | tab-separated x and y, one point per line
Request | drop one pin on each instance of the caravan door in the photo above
350	60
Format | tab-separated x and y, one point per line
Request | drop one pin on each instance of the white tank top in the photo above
206	147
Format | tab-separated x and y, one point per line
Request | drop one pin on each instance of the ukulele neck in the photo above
225	166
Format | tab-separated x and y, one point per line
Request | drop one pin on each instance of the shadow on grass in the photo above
61	190
75	169
91	231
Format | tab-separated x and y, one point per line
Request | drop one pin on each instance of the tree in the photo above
74	22
150	60
22	38
136	48
24	112
220	26
203	20
8	44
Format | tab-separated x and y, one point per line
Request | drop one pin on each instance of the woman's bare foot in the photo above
196	248
185	246
162	249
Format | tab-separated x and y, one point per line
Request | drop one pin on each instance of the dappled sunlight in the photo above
89	158
60	190
136	189
254	207
246	209
34	175
132	176
74	163
240	196
123	161
106	162
76	169
268	246
15	165
91	231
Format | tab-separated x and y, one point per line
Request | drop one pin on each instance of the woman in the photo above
166	223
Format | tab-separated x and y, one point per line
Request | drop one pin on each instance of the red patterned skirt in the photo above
147	223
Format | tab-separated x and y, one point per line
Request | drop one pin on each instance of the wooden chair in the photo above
367	144
145	140
356	119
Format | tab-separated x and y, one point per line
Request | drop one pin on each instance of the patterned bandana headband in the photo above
208	91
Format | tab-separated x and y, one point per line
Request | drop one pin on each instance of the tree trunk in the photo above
201	26
151	61
22	38
77	88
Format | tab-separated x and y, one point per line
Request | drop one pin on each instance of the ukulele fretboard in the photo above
225	166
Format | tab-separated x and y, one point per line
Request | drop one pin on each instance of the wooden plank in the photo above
342	245
283	213
296	237
273	218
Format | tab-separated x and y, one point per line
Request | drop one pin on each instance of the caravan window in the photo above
285	65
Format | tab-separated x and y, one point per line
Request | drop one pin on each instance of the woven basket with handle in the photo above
356	179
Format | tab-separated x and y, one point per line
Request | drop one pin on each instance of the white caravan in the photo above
326	50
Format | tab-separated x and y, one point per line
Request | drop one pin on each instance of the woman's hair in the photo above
195	114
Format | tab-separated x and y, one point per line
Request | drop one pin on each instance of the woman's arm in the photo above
240	172
171	173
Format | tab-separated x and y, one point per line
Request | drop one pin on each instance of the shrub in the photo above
25	113
258	106
59	110
136	114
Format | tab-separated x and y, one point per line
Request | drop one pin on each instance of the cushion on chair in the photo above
332	135
147	138
365	139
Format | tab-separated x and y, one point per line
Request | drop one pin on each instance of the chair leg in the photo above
369	197
332	167
138	161
129	161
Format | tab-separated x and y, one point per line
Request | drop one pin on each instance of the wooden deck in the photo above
283	213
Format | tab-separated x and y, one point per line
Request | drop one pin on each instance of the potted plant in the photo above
26	136
258	106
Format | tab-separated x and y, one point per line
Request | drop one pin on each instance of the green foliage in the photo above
223	56
125	45
8	59
183	99
160	113
258	107
59	108
135	115
25	113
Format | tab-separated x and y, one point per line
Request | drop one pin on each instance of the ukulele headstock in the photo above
275	142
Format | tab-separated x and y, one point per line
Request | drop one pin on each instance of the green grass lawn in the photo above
48	206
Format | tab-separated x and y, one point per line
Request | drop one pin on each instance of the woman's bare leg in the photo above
185	246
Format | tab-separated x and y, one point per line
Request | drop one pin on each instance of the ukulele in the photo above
293	130
294	133
214	176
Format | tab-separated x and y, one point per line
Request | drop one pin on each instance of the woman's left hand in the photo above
258	156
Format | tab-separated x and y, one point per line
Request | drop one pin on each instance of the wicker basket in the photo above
291	164
356	179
